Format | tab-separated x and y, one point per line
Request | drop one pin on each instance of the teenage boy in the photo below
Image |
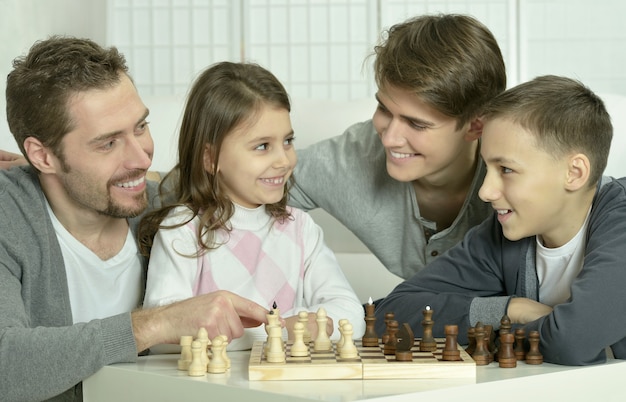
552	254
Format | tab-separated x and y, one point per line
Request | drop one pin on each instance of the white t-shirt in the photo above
98	288
558	267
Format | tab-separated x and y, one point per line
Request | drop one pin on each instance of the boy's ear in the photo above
39	155
475	129
579	169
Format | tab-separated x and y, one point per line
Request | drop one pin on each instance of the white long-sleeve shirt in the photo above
261	259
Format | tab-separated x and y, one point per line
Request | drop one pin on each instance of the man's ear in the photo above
578	171
475	129
39	155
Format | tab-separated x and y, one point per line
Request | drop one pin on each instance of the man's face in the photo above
106	156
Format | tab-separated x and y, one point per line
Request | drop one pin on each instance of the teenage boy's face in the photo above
419	141
524	184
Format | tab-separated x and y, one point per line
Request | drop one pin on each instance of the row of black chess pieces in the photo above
507	348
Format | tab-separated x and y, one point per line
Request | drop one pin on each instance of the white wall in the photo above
22	22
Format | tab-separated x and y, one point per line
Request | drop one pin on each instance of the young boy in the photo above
406	181
551	256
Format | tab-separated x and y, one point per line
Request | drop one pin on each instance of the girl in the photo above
229	226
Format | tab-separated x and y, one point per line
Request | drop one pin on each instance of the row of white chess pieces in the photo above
275	346
195	358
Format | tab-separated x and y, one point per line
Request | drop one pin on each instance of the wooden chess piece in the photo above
428	343
471	337
389	347
481	354
273	320
217	365
490	341
322	341
388	317
505	324
203	338
370	338
196	368
303	317
275	352
299	348
185	352
506	357
534	356
404	345
451	350
348	348
341	340
520	349
224	354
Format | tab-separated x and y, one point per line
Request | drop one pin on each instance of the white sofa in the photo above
316	120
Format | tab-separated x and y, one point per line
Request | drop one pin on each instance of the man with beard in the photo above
71	276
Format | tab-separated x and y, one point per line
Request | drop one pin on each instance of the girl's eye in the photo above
262	147
289	141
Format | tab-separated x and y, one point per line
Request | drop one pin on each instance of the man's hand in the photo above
9	159
522	310
220	313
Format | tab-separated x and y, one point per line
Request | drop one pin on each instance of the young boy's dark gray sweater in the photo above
42	354
475	280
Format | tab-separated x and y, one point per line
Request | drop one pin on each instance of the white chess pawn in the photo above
224	354
322	341
203	338
197	367
342	322
185	352
348	349
303	317
217	364
299	348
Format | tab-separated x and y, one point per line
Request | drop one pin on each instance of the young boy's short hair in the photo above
564	115
451	62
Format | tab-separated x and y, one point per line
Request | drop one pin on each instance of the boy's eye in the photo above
505	169
418	127
108	145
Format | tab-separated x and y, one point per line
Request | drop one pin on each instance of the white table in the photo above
156	378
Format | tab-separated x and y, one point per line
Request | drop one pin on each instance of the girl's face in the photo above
257	158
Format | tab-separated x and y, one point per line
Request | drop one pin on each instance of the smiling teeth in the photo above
502	211
399	155
133	183
279	180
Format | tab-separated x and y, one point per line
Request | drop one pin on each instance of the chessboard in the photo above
370	363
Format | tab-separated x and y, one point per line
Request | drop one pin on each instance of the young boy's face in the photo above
524	184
